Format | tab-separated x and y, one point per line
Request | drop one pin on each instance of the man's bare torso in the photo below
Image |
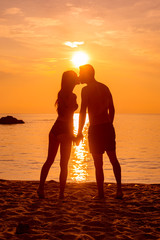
97	98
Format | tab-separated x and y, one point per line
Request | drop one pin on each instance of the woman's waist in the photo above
65	118
61	127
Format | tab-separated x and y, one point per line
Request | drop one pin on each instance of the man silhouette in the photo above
97	98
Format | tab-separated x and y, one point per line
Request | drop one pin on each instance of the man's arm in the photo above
111	109
82	116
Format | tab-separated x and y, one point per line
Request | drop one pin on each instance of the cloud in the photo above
154	13
76	10
96	21
42	22
73	44
13	11
69	4
5	75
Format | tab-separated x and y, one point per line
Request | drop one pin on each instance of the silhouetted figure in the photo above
61	133
97	98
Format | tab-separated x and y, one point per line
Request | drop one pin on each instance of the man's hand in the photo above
79	138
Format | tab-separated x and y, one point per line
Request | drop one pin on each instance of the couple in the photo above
97	98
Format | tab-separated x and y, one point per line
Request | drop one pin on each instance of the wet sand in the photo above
78	216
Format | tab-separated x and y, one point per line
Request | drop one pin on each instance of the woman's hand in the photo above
76	140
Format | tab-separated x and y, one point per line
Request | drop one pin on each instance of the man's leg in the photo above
98	162
117	171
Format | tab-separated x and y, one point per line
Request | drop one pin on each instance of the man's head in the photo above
86	73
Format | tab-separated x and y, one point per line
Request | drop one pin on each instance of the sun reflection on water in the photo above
79	156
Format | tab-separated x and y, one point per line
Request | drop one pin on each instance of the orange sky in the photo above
38	39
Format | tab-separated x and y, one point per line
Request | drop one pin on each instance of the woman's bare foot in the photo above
40	193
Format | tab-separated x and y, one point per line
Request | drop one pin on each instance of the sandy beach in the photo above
78	216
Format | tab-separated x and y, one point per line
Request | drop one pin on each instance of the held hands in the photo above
76	140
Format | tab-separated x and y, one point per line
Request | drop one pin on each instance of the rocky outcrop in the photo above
10	120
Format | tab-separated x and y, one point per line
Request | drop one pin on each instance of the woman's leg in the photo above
52	151
65	151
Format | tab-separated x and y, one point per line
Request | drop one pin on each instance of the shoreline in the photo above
76	182
78	216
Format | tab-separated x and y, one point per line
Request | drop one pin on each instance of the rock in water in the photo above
10	120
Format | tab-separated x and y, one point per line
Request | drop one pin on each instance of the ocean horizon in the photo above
23	150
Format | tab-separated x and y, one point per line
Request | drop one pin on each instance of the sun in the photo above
80	58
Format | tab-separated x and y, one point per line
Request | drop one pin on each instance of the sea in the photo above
24	148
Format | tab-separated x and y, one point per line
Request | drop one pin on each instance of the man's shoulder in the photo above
96	85
73	95
102	85
84	89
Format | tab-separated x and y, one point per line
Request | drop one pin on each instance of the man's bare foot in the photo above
40	194
99	197
61	196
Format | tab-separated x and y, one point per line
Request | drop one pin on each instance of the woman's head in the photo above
69	80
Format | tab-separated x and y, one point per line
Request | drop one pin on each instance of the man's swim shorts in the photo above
101	138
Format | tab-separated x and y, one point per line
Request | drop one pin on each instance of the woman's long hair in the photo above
67	83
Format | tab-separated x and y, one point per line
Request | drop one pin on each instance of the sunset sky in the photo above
38	39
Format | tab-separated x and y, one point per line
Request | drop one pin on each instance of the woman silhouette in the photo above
61	133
